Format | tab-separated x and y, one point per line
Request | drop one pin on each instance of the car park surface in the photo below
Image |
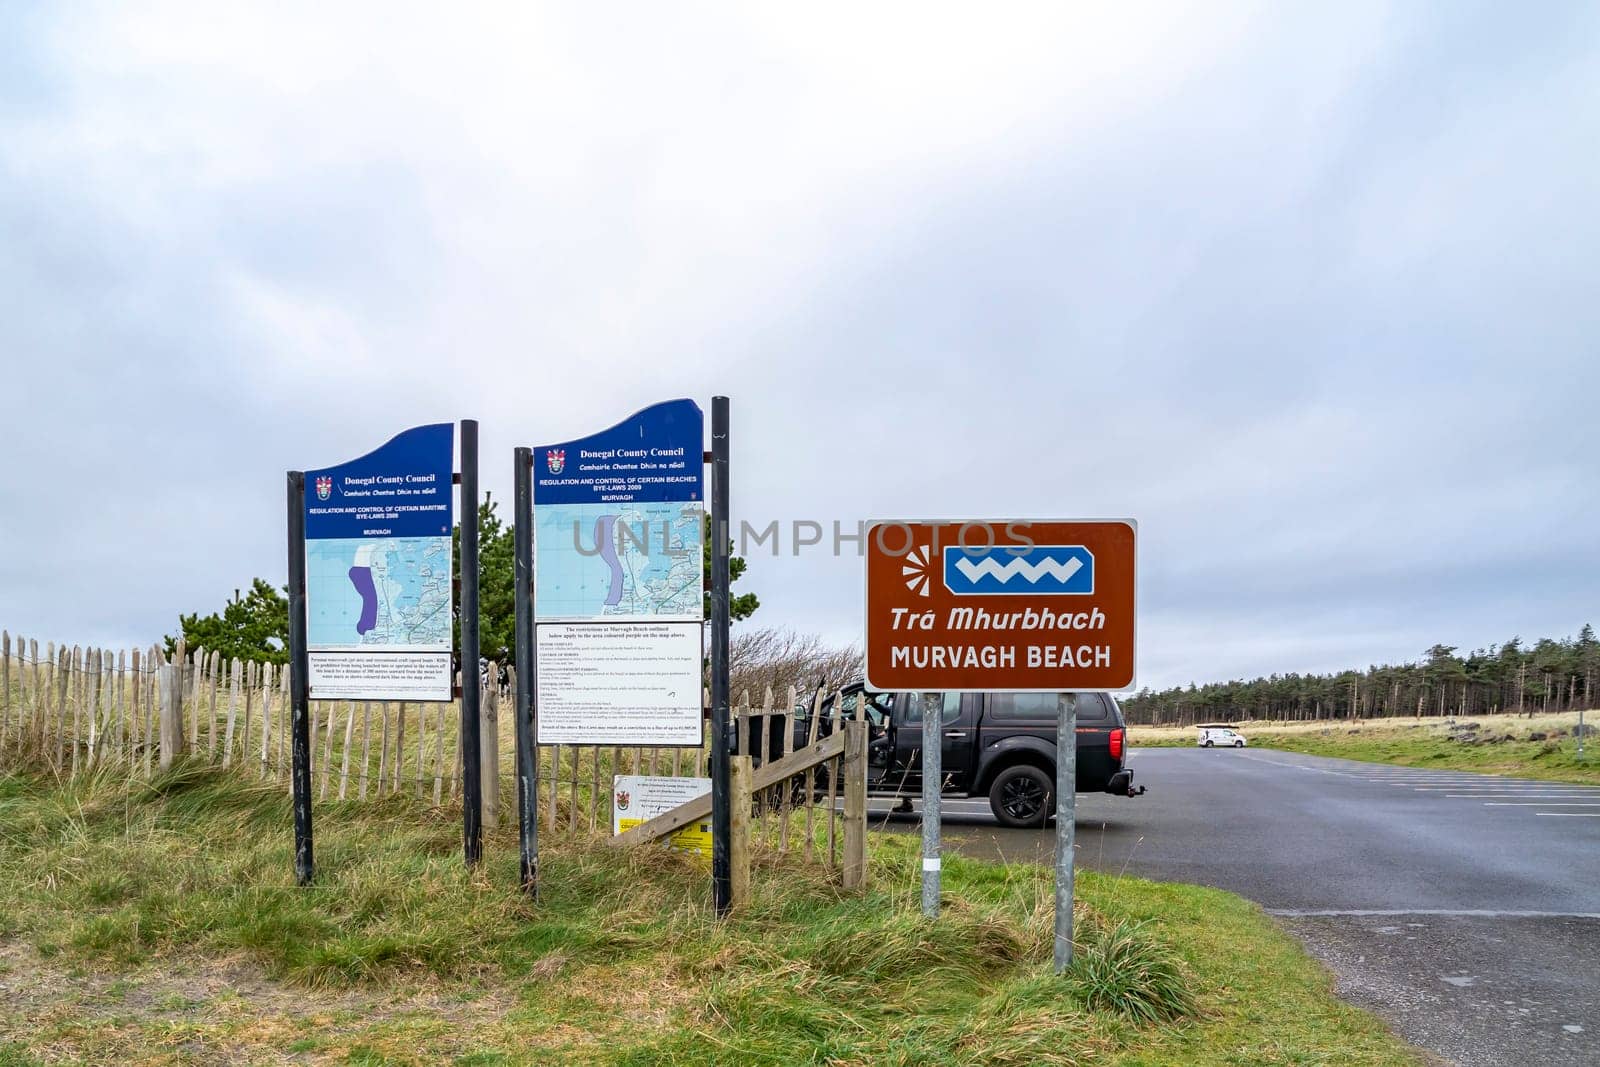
1462	908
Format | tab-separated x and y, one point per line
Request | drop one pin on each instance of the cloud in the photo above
1306	292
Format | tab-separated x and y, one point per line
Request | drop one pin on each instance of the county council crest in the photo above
555	460
324	488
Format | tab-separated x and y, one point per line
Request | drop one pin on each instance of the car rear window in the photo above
1092	708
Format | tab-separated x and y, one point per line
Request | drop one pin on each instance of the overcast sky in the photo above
1311	291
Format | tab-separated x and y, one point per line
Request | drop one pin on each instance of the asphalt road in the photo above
1464	909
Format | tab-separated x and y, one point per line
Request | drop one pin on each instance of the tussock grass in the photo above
177	897
1125	969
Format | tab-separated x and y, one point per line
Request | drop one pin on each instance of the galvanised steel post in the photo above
1066	802
932	780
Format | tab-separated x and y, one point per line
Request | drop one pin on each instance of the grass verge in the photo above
1493	744
158	923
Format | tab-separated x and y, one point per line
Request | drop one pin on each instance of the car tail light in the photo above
1118	737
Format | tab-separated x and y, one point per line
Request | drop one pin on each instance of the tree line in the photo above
1552	675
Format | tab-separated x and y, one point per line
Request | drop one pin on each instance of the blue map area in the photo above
390	591
618	559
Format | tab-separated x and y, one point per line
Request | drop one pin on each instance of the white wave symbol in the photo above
1018	567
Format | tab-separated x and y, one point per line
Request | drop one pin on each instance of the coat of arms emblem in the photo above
324	488
555	460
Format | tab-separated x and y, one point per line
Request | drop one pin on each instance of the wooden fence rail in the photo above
845	752
74	710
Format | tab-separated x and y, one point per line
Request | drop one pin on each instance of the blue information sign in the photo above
618	520
619	581
653	456
378	571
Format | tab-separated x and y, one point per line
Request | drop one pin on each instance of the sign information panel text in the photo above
998	606
637	798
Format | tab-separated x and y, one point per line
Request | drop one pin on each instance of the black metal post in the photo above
299	671
721	814
527	666
471	776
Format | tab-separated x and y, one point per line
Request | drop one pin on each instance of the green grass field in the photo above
1552	760
159	924
1431	742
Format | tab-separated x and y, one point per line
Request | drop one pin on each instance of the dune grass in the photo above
159	923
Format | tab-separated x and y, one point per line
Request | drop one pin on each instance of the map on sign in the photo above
638	559
393	591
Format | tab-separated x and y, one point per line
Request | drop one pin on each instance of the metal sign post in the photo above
471	757
299	705
527	751
997	606
1066	822
721	810
932	784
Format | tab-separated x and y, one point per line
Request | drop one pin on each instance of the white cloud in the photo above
1303	291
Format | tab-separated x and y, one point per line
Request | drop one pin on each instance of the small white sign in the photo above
638	798
379	675
619	683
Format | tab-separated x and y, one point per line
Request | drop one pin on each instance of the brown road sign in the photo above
996	605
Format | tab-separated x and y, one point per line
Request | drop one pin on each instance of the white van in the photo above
1214	734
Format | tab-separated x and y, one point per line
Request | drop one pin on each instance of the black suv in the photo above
996	745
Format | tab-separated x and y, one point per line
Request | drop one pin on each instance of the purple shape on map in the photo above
361	578
604	526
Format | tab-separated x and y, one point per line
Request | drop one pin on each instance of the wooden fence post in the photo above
811	739
366	748
787	788
71	689
742	719
399	747
438	757
855	804
234	672
833	772
285	714
383	747
5	686
198	660
327	750
170	680
349	735
267	676
739	775
152	732
252	677
489	748
126	733
40	726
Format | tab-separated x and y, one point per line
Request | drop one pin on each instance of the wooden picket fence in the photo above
71	711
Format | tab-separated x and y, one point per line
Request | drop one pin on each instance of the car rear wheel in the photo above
1207	743
1022	796
1238	744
